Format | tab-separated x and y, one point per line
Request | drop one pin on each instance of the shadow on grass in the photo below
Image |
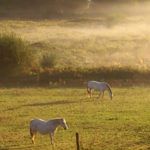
62	102
27	147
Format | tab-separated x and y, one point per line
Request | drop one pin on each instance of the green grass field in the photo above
120	124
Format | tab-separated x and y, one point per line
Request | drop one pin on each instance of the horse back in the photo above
39	125
37	122
94	84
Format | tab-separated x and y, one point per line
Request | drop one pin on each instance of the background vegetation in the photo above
15	55
102	40
37	9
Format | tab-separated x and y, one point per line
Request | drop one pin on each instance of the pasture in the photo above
119	124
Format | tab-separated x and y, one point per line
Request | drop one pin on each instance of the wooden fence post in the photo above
77	141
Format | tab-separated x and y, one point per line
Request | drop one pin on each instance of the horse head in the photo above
63	123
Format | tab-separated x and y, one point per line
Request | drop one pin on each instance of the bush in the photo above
48	60
14	53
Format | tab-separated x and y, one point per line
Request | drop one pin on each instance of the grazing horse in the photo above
100	86
46	127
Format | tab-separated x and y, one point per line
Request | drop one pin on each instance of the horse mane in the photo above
109	88
56	119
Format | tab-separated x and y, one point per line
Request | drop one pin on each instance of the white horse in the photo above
46	127
100	86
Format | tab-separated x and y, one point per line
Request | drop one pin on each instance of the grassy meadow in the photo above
110	44
122	123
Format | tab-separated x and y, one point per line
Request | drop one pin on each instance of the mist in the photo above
97	33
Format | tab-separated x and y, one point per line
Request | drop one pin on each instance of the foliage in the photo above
93	52
14	53
45	6
48	60
118	1
51	8
78	75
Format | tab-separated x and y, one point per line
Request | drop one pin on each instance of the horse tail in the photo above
31	132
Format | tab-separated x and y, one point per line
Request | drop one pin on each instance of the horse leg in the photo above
32	136
102	94
89	91
99	94
52	137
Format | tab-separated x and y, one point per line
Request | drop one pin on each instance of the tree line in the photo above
55	5
51	8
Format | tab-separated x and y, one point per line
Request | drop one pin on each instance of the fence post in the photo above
77	141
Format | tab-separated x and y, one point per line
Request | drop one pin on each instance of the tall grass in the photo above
48	60
14	54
